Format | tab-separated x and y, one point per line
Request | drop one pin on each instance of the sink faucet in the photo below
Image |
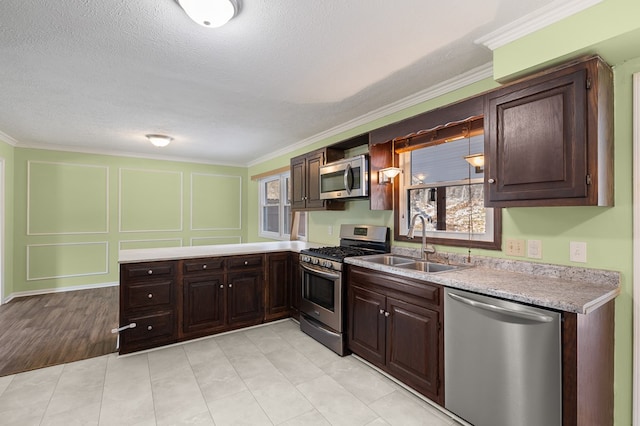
424	250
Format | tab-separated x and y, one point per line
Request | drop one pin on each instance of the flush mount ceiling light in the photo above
209	13
159	140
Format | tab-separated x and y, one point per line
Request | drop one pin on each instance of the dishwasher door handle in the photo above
498	309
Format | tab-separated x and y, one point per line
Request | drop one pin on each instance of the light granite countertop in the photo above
563	288
192	252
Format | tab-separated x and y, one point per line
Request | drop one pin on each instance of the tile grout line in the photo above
199	386
240	377
44	413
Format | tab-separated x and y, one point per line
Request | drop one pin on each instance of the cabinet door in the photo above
203	299
277	296
295	279
367	324
298	183
244	297
413	346
537	141
314	161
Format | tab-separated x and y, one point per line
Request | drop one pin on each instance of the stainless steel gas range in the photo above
322	313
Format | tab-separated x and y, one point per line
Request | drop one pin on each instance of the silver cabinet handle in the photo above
124	327
498	309
381	311
386	314
204	266
150	271
150	295
149	328
221	285
246	262
230	285
491	180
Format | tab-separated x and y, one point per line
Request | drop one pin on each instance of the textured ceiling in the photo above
97	75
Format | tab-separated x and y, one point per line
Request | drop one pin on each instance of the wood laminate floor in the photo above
45	330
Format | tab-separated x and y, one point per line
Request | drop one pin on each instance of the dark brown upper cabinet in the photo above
305	180
549	138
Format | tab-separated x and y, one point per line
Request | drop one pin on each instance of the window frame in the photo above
491	239
282	234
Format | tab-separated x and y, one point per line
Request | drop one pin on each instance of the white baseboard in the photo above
57	290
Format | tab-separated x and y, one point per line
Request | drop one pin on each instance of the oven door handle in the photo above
318	272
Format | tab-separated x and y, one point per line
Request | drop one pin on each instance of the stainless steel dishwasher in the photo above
502	362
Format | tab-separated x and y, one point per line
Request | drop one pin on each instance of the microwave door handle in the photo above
347	172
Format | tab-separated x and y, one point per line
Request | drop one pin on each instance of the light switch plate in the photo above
515	247
578	251
534	249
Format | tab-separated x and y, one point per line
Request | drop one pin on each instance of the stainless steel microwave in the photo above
347	178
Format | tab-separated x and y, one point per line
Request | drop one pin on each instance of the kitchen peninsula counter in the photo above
563	288
193	252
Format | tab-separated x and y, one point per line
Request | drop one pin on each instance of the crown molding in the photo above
84	150
472	76
8	139
534	21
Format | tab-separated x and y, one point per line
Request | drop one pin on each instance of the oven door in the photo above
322	295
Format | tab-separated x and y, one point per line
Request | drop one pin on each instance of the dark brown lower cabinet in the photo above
203	304
244	298
295	287
395	323
277	304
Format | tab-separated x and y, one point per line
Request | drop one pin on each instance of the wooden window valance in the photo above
449	132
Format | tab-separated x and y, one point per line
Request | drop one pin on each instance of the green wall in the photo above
74	211
607	231
6	155
69	238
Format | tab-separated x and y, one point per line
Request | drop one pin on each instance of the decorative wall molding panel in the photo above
150	200
150	243
207	191
51	261
65	198
210	241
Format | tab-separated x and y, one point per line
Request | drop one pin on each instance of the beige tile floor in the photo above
269	375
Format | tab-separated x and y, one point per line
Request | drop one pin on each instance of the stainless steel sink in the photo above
409	263
389	259
424	266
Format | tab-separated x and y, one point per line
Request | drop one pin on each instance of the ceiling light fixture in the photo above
209	13
159	140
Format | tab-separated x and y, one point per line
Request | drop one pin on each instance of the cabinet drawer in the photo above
158	325
148	295
148	270
243	262
195	266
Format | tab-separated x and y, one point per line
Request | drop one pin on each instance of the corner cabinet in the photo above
278	294
549	139
305	180
396	324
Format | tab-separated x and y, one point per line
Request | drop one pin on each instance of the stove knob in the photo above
328	264
306	258
315	261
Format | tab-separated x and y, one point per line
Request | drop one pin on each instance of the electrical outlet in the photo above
578	251
515	248
534	249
